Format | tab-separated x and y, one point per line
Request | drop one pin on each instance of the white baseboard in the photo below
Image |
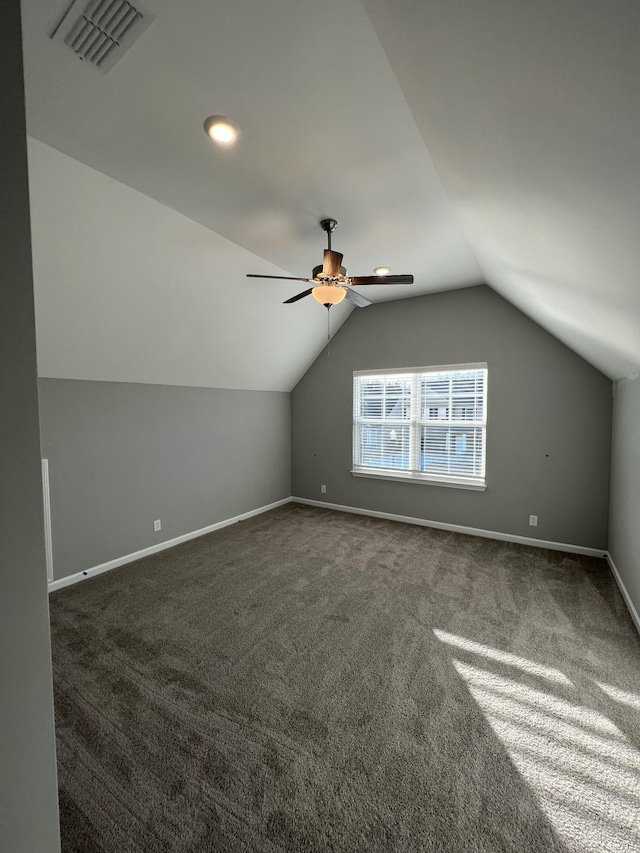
458	528
491	534
161	546
440	525
627	598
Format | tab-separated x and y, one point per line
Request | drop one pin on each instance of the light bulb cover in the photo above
328	294
221	130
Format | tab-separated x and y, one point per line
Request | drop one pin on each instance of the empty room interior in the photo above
320	490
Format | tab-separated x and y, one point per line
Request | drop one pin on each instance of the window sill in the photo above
470	485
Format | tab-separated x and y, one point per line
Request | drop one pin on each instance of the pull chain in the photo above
328	329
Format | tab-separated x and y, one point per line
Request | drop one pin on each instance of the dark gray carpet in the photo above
316	681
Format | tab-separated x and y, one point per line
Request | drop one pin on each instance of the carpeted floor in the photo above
316	681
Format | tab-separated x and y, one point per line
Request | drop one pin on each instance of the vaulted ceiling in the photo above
495	141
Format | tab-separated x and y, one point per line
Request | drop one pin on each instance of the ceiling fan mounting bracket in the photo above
329	225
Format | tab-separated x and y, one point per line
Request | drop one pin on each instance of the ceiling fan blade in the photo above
298	296
356	298
331	263
282	277
381	279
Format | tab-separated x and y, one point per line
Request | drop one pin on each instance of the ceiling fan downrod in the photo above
329	225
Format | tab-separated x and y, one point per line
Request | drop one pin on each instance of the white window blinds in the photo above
428	424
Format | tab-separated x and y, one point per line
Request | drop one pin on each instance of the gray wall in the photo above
28	796
121	455
624	519
542	399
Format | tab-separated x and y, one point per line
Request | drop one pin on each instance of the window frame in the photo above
415	424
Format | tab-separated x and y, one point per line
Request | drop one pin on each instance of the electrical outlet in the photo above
157	525
323	490
533	521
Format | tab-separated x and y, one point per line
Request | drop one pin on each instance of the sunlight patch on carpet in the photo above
503	657
623	696
581	766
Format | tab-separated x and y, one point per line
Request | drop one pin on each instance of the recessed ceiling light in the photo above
382	270
221	130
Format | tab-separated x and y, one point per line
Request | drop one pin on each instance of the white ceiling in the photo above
526	113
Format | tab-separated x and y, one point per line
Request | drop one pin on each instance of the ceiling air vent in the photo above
100	32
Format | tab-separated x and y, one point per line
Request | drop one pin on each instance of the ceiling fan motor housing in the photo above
317	271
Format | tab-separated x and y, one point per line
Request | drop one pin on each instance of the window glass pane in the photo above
451	450
385	399
434	397
371	399
398	400
384	446
452	396
431	412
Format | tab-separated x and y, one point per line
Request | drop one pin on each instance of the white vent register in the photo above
100	32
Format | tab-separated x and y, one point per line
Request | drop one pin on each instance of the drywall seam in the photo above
627	598
457	528
161	546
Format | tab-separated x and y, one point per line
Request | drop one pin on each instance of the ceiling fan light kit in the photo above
328	294
331	283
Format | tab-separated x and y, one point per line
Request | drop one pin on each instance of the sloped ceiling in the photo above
462	142
128	290
531	113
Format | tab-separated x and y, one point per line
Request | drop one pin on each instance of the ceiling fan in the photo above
330	279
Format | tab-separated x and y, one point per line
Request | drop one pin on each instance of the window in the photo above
425	424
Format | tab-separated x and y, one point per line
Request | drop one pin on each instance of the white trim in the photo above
458	528
161	546
480	365
425	480
48	545
440	525
627	598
